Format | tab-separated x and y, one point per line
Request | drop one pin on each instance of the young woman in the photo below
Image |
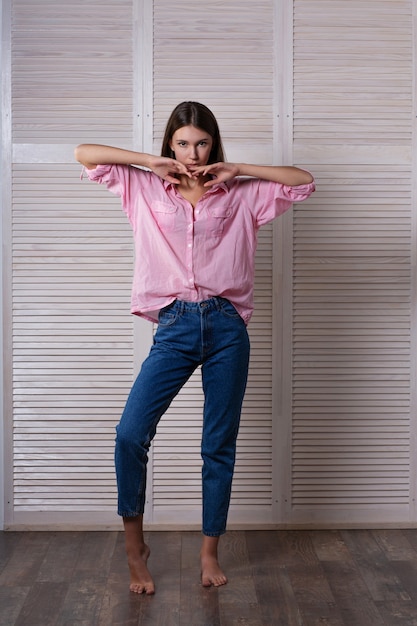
195	220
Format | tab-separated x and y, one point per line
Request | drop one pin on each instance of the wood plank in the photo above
42	604
351	594
406	571
238	598
398	613
329	545
24	564
276	597
410	535
82	602
199	605
12	600
381	580
311	588
8	544
398	545
94	558
61	557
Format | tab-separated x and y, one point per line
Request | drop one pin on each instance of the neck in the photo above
192	183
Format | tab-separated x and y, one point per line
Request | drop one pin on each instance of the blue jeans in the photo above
211	334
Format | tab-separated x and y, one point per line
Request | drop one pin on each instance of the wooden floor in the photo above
276	578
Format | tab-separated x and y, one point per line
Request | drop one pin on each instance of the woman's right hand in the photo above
168	169
90	155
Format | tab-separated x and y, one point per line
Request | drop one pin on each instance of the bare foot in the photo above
211	572
137	556
140	577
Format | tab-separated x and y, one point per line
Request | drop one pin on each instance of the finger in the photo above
179	166
197	169
182	169
210	169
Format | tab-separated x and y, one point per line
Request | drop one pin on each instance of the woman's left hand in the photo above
221	172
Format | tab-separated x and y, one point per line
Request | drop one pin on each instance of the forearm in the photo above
286	175
91	155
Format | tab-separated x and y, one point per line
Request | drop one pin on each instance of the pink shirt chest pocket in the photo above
165	215
218	218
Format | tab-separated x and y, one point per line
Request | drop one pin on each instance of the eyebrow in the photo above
185	140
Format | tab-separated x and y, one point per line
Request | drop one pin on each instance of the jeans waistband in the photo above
212	303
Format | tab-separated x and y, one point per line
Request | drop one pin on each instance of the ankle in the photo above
134	537
209	548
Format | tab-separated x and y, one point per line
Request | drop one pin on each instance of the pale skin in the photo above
189	170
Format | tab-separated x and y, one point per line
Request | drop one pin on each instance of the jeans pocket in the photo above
228	309
168	315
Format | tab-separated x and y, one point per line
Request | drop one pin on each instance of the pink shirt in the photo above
193	254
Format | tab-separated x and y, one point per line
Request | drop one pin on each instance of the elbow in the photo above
78	153
300	177
81	155
308	178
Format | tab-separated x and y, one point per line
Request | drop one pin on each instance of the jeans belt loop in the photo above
217	301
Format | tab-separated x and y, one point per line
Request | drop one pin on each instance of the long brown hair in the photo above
193	114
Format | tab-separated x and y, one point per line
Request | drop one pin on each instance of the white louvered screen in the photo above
72	260
199	57
72	71
351	445
72	342
342	449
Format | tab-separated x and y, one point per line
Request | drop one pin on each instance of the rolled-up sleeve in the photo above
118	180
273	199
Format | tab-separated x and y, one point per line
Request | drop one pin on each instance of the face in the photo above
191	145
